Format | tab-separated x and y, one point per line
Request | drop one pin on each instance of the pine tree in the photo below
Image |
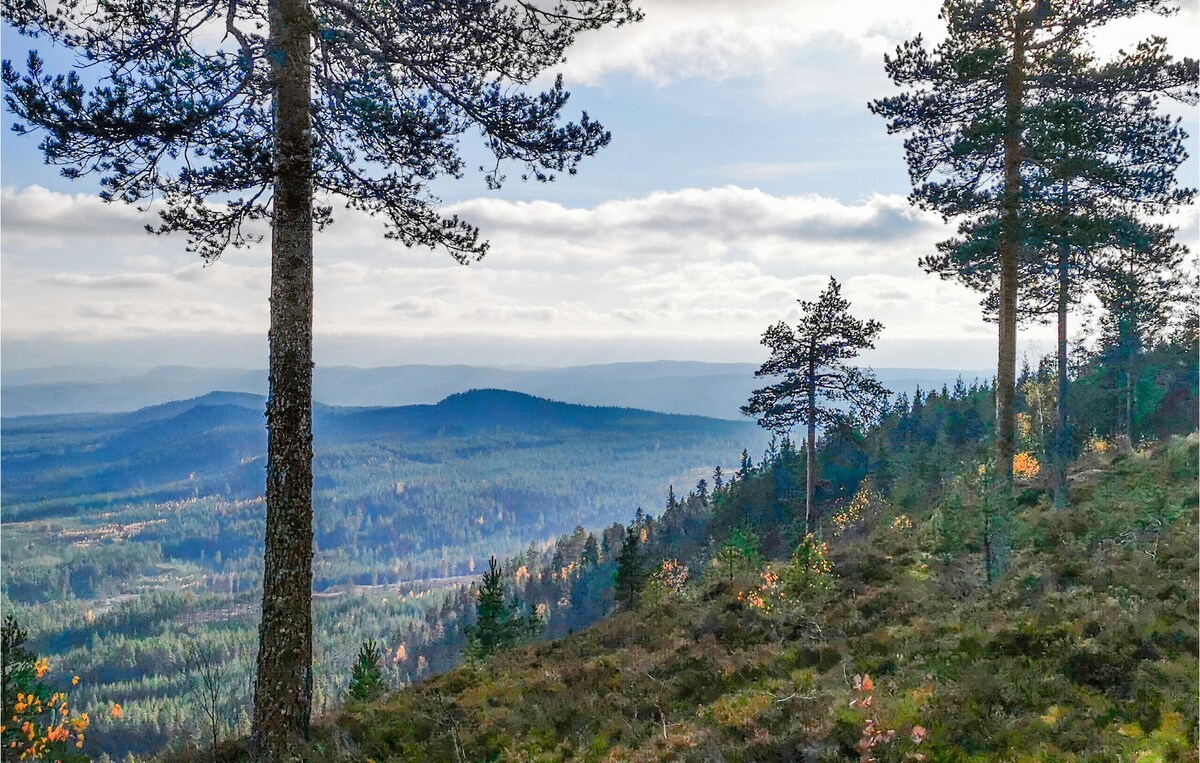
718	480
967	116
364	103
498	621
1099	154
366	678
817	386
702	492
629	578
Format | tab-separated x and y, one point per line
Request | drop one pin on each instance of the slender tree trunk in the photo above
1062	434
283	687
1010	248
1133	345
1130	374
810	446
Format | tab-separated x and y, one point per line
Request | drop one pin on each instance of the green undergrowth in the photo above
1086	650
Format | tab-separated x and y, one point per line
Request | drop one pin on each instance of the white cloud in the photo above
722	39
826	48
716	264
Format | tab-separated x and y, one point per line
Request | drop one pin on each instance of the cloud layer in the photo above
694	266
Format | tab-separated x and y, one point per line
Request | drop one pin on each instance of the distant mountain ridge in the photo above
697	388
215	441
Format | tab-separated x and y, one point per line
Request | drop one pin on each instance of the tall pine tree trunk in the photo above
1127	404
1062	435
283	687
810	445
1010	247
1133	347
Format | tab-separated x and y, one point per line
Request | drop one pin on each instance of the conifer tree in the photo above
362	103
1140	281
967	114
628	581
817	386
746	466
1099	154
366	677
18	673
498	620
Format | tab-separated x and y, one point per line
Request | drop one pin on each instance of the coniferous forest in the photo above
1000	569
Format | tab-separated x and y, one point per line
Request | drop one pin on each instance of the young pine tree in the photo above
816	384
366	678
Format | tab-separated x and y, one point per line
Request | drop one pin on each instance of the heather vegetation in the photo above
876	639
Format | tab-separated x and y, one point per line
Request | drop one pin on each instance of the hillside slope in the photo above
1085	650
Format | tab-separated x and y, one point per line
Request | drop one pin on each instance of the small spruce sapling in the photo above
366	680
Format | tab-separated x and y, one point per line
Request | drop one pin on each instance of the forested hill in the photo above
214	443
493	410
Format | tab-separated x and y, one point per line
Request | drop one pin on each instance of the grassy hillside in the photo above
1085	650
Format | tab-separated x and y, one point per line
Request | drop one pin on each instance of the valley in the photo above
133	540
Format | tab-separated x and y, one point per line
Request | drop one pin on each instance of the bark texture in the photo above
283	689
1010	246
997	546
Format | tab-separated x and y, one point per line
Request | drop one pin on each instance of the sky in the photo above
744	171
